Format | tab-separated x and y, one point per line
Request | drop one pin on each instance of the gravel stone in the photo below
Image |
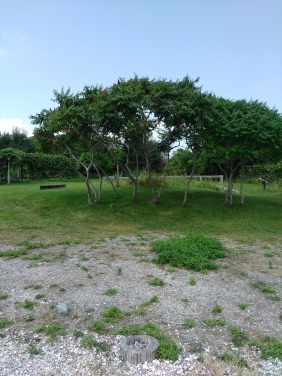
87	271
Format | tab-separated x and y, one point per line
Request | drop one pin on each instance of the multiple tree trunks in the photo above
52	186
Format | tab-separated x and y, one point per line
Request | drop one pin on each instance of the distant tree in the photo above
18	139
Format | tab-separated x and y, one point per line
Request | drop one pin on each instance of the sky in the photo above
233	46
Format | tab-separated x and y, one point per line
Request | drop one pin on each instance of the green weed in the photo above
4	297
231	357
112	315
193	251
156	282
214	322
242	306
33	351
99	327
88	342
238	337
270	347
192	281
4	321
216	308
110	292
189	323
28	304
53	330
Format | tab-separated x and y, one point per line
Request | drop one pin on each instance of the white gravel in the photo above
80	279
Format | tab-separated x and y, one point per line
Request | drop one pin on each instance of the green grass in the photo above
65	213
214	322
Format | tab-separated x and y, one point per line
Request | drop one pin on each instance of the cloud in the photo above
8	125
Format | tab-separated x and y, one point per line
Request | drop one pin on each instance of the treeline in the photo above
133	119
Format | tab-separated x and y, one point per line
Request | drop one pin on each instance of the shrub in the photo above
193	251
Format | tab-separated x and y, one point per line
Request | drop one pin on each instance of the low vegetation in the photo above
193	251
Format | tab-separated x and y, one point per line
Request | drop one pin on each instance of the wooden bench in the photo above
51	186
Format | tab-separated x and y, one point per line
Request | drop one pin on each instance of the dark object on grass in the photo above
51	186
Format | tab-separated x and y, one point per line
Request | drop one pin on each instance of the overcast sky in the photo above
234	46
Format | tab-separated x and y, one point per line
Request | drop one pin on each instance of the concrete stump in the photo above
139	349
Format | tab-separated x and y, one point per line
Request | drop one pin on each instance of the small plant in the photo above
110	292
53	330
242	306
185	300
214	322
89	342
170	269
119	270
37	287
141	309
270	347
34	351
269	254
4	297
78	334
98	327
112	315
84	268
4	322
189	323
39	296
231	357
270	264
84	258
216	308
30	317
192	281
238	337
270	292
156	282
28	304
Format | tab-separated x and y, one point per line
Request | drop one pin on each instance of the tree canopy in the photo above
133	119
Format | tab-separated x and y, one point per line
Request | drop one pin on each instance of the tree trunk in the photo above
241	185
9	173
189	180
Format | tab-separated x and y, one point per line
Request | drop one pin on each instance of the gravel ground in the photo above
79	275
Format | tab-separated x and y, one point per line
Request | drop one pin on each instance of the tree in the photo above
77	126
11	157
241	131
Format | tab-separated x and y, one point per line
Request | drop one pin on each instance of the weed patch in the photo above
112	315
110	292
189	323
4	321
53	330
193	251
156	282
269	292
214	322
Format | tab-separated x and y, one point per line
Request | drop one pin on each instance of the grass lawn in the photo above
63	214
